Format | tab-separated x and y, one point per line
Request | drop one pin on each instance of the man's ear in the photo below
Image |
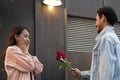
103	18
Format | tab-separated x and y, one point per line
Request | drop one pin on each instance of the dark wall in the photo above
83	8
50	31
14	12
80	60
86	8
47	32
115	4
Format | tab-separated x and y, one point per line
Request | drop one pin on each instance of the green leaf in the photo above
65	64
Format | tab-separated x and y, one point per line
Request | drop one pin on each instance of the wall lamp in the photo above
52	2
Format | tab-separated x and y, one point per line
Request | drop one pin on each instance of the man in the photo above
106	53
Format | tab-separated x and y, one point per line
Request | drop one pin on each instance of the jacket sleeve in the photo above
107	60
38	65
16	60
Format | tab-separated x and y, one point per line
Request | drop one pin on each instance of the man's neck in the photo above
106	24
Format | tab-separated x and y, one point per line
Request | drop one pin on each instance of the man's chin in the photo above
98	32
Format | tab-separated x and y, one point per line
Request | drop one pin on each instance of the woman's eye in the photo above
26	36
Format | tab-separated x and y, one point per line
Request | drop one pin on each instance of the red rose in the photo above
60	54
63	56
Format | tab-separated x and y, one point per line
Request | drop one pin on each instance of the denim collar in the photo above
105	30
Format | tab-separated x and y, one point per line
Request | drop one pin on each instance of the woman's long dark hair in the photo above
17	30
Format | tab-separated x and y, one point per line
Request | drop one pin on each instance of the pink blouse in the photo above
20	66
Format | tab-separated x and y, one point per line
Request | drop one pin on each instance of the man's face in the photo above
98	24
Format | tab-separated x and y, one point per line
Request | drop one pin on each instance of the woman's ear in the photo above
16	37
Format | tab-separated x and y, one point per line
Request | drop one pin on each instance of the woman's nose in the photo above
28	40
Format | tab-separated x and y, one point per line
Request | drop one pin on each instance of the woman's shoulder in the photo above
14	49
11	48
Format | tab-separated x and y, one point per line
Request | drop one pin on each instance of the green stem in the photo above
79	77
69	66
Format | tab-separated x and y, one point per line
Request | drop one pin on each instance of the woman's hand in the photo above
24	45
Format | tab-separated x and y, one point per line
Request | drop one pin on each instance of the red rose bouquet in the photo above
60	56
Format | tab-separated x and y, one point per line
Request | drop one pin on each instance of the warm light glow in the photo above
50	8
52	2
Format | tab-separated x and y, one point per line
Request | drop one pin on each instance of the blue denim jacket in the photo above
106	56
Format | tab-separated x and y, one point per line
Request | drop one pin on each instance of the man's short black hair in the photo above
109	13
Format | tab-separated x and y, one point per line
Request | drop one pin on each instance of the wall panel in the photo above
15	12
115	5
83	8
50	36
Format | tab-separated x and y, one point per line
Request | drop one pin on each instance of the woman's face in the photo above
23	38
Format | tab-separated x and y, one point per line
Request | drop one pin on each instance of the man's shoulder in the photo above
110	36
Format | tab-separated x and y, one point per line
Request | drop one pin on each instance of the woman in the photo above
19	64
